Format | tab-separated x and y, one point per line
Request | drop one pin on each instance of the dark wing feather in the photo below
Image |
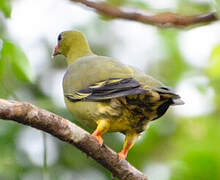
163	108
111	88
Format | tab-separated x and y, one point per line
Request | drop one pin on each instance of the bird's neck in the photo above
77	53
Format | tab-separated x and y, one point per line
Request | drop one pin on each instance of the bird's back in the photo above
92	69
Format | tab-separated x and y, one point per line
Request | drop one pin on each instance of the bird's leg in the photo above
130	138
102	127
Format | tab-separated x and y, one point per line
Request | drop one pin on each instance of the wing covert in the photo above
111	88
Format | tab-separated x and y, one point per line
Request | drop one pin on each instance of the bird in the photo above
108	96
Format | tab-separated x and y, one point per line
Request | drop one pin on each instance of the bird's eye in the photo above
59	37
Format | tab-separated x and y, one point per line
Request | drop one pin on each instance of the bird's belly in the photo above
124	114
88	113
128	122
82	112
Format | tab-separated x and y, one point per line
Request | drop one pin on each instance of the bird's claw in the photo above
98	138
121	156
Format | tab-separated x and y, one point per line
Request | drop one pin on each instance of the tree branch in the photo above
67	131
163	19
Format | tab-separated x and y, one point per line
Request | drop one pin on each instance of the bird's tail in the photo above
168	93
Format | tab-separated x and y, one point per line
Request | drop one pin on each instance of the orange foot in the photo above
98	137
122	155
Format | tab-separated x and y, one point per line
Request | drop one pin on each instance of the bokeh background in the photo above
182	145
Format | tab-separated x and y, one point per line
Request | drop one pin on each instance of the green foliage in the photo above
1	60
18	61
173	62
133	3
212	72
190	7
1	46
199	159
217	6
121	3
5	7
197	165
213	69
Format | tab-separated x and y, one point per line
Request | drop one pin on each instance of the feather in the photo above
111	88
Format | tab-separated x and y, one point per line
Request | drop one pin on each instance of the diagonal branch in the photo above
67	131
162	19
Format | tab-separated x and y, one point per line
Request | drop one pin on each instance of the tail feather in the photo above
169	93
177	101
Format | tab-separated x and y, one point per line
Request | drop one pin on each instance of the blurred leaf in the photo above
117	2
1	60
132	3
196	154
1	45
5	7
217	6
199	164
1	68
214	66
18	60
189	7
171	68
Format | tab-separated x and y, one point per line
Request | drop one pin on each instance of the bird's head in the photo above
72	45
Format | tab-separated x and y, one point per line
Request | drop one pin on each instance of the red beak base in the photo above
55	51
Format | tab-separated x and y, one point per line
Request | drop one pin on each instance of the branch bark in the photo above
163	19
67	131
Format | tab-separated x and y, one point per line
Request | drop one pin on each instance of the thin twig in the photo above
45	167
67	131
163	19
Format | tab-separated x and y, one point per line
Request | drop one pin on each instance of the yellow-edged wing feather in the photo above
111	88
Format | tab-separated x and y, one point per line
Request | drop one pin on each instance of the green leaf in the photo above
1	60
217	6
172	62
1	46
5	7
214	66
18	60
188	7
133	3
1	68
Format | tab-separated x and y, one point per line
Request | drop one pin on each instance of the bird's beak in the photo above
56	51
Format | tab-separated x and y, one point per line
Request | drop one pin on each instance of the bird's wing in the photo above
110	88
